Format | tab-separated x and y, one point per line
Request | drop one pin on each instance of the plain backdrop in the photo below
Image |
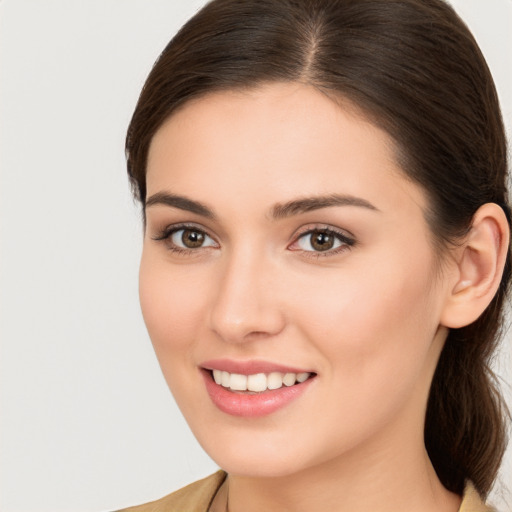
87	423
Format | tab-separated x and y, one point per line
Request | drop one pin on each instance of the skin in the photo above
367	318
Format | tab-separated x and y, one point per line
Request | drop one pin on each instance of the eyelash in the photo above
346	242
166	234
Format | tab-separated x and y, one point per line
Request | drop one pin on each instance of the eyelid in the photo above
169	229
345	237
307	228
165	235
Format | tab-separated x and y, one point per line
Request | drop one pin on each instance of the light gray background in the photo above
87	421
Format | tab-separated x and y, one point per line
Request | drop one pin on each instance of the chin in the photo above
259	454
258	467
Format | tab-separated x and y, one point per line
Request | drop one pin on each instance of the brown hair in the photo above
415	70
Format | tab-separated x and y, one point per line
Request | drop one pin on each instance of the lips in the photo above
253	388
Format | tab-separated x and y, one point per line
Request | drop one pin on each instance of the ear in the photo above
480	261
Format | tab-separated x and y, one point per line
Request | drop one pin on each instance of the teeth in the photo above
258	382
275	380
289	379
301	377
238	382
217	376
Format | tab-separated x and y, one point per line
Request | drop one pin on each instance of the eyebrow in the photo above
278	211
180	202
308	204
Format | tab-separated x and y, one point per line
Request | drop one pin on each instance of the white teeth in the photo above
258	382
238	382
301	377
217	376
289	379
275	380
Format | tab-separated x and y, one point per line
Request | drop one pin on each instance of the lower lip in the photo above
252	405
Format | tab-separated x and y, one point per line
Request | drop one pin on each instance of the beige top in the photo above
197	497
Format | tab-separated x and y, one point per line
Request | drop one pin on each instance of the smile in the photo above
253	389
258	382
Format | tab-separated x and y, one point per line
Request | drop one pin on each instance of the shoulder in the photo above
472	502
195	497
198	496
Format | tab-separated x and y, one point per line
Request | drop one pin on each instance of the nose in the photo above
246	304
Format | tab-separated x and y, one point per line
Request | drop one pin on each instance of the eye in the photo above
185	238
322	240
191	238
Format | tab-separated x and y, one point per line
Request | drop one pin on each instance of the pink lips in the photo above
246	404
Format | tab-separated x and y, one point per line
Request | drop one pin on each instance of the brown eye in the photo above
192	238
321	241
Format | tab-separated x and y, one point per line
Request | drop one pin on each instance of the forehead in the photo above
273	141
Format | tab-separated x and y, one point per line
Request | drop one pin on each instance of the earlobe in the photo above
480	263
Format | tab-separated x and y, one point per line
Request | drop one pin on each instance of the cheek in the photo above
373	323
171	304
376	340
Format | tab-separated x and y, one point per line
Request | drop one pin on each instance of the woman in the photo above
326	253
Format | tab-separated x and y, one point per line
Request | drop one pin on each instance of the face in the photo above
286	251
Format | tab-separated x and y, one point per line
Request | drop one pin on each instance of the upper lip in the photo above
250	367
